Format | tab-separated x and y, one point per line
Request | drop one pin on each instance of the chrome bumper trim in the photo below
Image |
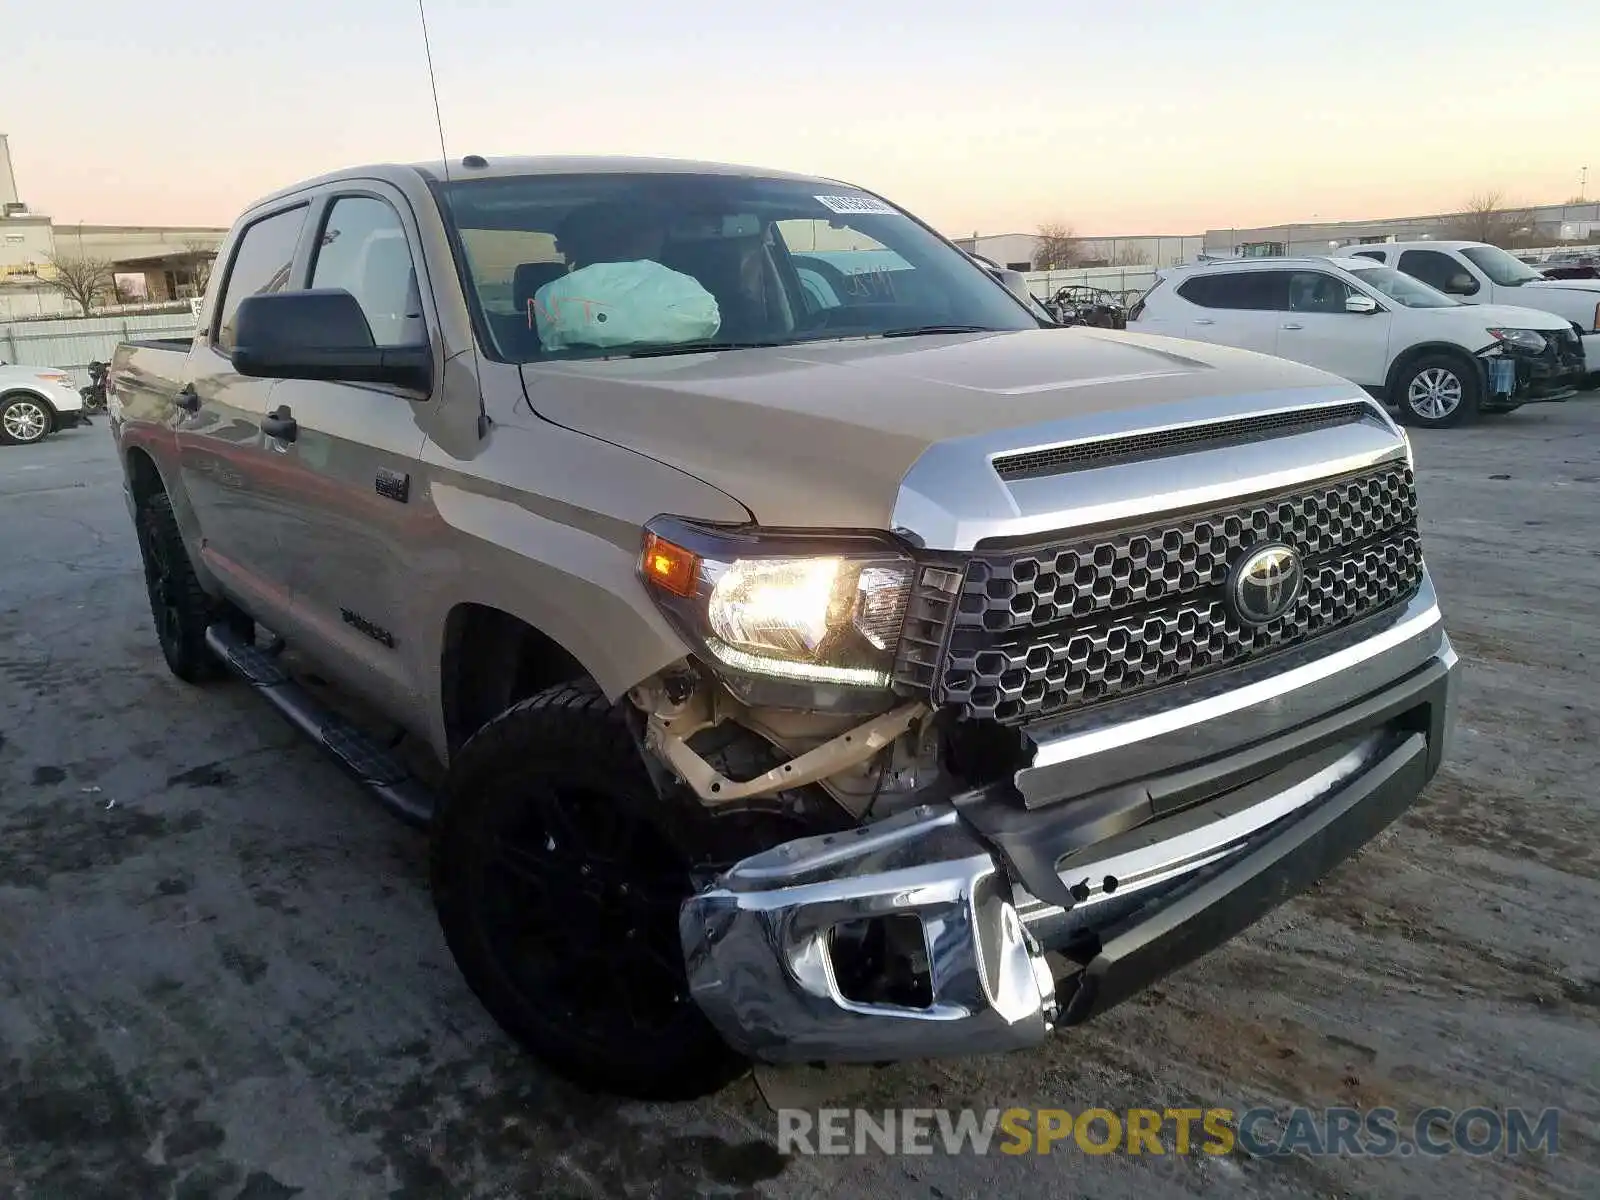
757	943
760	968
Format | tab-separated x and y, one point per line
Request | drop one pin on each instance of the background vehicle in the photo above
94	395
1477	273
35	401
1439	361
798	683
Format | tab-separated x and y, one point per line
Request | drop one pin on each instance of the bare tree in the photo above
80	279
1130	256
199	257
1057	248
1486	218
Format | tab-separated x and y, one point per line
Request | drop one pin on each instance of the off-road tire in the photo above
179	606
1468	380
570	738
38	431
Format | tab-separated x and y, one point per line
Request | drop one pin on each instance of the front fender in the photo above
545	525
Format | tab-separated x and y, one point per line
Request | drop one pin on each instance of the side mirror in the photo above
321	334
1461	285
1360	304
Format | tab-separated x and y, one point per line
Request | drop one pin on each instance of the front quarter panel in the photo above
545	524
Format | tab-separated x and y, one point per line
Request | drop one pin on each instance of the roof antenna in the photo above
444	155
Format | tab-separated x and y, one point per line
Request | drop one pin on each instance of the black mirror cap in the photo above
321	334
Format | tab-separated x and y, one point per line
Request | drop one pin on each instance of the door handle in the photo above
1204	321
1293	325
280	425
187	399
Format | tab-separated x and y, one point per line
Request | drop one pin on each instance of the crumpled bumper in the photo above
1009	953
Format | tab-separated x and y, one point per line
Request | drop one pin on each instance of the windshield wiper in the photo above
699	348
920	330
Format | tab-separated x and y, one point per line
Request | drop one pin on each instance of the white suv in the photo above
1439	361
34	401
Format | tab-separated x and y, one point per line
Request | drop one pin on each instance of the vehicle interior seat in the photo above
521	330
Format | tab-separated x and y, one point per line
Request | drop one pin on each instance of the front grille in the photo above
1037	631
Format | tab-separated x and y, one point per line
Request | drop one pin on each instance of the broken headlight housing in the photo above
788	619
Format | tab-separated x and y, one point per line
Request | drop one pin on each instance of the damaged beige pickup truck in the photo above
827	658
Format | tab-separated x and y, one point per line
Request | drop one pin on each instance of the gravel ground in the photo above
220	973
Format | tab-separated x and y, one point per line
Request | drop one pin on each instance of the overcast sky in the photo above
1116	116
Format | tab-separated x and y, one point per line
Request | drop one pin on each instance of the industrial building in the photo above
151	263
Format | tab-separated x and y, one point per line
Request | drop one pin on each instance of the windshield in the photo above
580	266
1412	293
1500	267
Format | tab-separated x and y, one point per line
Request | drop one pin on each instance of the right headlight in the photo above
811	620
1527	339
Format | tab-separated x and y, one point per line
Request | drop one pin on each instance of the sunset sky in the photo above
1121	116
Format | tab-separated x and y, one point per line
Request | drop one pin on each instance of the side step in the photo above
372	766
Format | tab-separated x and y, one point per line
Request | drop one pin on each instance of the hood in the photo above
1507	316
821	435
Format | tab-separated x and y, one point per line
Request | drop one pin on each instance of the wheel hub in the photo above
26	421
1434	393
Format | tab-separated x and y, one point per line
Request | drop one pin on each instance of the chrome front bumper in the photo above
1142	841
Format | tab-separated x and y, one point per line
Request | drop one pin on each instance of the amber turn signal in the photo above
671	568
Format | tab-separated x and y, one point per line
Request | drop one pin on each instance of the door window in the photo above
1249	290
260	264
363	250
1315	292
1436	269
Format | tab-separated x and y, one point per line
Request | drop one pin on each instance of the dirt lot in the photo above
220	974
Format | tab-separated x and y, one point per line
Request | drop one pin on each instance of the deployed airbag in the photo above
624	304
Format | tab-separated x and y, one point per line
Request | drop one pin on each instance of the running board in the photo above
371	765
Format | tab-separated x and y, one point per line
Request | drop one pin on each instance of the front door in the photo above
226	466
353	452
1316	330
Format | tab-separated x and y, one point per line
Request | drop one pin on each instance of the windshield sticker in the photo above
856	204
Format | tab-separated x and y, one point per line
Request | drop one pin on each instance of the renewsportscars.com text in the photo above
1259	1132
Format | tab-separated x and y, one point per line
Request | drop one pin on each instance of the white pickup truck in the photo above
1478	273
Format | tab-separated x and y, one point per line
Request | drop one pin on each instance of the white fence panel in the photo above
71	345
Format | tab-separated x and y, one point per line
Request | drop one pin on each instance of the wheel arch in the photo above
16	390
1421	350
144	477
490	658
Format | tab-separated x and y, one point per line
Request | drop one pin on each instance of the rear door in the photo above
1236	308
227	469
357	503
1316	330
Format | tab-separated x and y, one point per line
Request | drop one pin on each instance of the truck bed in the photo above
149	371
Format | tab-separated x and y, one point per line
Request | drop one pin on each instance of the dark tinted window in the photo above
1433	267
363	250
1241	290
1375	255
260	264
1314	292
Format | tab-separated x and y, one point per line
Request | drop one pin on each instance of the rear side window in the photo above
260	265
1250	290
363	250
1374	255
